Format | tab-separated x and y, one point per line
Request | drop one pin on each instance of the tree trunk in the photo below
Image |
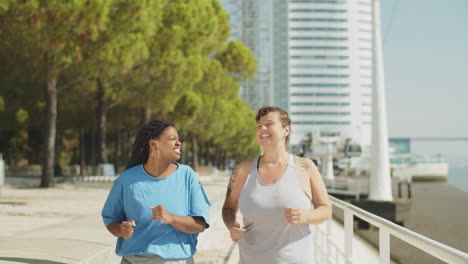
184	154
217	157
101	116
116	143
200	150
208	160
118	149
50	134
195	153
93	148
147	113
127	150
223	160
82	152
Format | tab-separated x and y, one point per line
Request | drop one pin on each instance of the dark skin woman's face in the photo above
168	143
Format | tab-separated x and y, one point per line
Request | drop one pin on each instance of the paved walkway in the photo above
63	225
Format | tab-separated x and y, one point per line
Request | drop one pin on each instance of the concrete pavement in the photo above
63	224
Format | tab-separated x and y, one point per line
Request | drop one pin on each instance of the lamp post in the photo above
380	188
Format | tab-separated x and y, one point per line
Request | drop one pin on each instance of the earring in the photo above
262	150
158	155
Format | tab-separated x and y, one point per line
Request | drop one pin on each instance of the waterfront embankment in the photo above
438	211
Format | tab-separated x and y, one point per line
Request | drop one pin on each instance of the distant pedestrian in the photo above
231	164
279	195
157	206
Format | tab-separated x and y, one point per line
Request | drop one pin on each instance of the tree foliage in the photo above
78	61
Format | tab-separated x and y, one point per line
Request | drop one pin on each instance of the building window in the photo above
319	48
321	122
308	19
321	94
320	75
315	66
319	1
334	85
309	10
319	38
322	113
319	29
319	57
320	103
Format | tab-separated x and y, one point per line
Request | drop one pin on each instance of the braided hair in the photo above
148	131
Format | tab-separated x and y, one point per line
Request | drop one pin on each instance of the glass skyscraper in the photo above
319	59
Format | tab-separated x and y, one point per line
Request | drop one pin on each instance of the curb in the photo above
95	178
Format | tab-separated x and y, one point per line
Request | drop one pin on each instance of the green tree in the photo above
219	117
190	31
124	46
19	142
57	37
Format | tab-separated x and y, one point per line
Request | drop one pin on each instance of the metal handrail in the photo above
432	247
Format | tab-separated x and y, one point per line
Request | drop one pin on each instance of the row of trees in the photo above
74	65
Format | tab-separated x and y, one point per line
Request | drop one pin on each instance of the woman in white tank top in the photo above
274	194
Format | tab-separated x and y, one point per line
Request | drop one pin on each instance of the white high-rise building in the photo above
315	61
251	22
330	67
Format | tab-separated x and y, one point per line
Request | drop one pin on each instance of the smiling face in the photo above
168	144
270	130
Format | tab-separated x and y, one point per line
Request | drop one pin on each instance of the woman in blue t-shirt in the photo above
156	207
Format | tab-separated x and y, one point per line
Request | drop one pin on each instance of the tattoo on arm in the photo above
306	167
229	217
232	180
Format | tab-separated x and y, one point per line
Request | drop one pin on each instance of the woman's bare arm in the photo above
231	203
322	206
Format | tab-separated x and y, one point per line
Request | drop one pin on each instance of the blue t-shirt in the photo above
132	194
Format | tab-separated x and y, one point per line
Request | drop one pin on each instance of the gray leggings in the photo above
153	259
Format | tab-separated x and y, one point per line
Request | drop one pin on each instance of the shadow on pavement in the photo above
31	261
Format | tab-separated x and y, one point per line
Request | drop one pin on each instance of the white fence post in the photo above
329	241
384	245
348	226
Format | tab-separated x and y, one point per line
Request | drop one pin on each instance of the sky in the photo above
425	45
426	67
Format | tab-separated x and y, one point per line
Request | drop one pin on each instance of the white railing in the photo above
328	251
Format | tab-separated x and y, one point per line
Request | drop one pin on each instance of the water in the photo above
458	177
455	152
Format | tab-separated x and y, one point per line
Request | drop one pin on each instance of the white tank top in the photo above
269	238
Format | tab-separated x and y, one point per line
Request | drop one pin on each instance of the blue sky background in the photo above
426	67
426	71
